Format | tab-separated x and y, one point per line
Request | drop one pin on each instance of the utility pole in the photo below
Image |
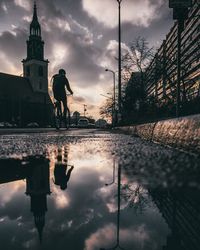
85	108
119	64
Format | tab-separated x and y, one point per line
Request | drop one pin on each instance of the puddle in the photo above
83	198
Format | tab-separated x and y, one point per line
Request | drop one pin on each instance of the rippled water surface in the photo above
97	191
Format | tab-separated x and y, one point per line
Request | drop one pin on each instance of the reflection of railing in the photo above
180	210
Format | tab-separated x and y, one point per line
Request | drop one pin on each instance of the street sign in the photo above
180	3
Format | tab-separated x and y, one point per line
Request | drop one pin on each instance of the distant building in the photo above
161	75
26	99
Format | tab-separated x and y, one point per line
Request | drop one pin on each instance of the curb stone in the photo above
183	132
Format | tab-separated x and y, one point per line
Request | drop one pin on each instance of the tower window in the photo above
40	85
40	71
28	71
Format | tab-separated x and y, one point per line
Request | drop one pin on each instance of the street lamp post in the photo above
119	60
114	106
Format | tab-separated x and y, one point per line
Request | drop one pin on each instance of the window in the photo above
28	71
40	71
40	85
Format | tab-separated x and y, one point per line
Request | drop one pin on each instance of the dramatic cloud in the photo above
4	7
76	40
139	13
23	4
11	50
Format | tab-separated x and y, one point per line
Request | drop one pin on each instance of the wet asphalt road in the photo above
147	162
158	188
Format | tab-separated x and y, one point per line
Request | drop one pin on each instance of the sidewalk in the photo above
183	132
8	131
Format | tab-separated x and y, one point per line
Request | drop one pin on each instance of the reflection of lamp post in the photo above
113	180
117	246
119	61
114	108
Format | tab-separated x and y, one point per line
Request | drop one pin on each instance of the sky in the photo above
81	37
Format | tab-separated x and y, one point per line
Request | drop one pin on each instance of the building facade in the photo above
161	75
25	99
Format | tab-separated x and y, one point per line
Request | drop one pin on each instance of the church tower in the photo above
38	187
35	67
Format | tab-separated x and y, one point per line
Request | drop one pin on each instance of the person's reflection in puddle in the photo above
61	175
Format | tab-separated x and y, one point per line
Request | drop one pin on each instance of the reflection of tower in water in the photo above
38	187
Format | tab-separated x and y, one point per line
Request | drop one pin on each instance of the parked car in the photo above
91	125
6	125
101	123
83	123
32	125
2	125
73	125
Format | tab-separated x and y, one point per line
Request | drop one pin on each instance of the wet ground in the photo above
89	190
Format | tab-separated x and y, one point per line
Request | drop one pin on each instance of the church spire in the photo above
35	45
35	29
35	12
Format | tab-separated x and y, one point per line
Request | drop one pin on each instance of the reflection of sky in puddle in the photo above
83	216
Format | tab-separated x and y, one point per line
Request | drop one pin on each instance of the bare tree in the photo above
137	58
107	109
135	196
